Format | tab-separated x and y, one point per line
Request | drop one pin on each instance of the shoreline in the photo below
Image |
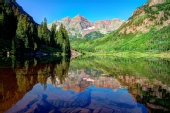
132	54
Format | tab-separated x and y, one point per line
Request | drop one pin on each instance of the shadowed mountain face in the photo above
79	26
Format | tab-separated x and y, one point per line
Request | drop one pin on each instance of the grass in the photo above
132	54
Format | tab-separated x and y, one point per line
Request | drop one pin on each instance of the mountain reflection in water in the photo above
92	99
84	85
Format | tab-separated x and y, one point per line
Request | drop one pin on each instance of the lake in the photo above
86	84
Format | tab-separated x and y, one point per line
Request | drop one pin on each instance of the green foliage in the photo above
94	35
156	9
139	20
63	40
50	50
44	33
53	37
21	33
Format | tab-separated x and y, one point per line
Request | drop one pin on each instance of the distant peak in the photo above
116	19
66	18
79	16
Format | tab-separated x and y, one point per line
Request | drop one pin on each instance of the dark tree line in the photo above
22	35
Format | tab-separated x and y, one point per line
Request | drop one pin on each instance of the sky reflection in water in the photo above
92	99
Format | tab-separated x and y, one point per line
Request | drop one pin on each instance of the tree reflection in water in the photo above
19	75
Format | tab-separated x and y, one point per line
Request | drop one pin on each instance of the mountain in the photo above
147	30
79	26
108	25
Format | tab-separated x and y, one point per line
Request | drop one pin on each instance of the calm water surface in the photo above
84	85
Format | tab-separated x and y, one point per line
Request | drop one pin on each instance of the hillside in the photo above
21	35
79	26
93	35
147	30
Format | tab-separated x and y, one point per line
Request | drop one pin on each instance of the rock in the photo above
74	54
154	2
79	26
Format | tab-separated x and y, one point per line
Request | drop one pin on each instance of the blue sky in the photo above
93	10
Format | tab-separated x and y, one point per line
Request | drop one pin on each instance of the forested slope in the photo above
22	35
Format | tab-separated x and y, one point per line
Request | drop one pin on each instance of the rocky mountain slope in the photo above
79	26
154	13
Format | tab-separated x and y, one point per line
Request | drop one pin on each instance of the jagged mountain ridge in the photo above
79	26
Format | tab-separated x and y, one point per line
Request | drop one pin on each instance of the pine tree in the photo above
63	40
53	35
31	35
22	33
46	34
40	33
66	41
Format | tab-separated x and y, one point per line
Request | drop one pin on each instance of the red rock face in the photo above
79	18
79	25
66	20
87	31
108	25
102	24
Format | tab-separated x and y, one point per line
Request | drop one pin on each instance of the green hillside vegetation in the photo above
21	35
154	41
94	35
